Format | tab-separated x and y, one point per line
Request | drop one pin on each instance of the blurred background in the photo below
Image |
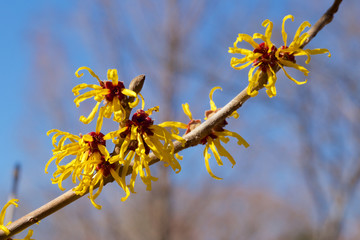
297	180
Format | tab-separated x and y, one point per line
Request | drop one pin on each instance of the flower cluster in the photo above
92	163
217	135
267	58
2	217
139	137
113	93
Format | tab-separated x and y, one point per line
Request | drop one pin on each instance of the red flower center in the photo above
114	90
105	167
267	59
287	56
98	138
142	120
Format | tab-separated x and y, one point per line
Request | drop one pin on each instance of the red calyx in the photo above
287	56
115	91
267	58
105	167
98	138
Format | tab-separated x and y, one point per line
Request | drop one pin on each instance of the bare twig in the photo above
11	209
324	20
192	139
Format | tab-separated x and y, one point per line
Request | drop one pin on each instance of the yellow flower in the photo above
112	92
218	134
2	217
267	58
90	165
140	136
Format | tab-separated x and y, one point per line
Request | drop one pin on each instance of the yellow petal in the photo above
298	32
215	152
235	115
85	96
284	34
82	86
265	39
128	92
51	131
29	235
294	65
269	26
271	78
155	146
3	211
242	51
246	38
89	70
212	103
113	76
98	178
222	151
302	38
118	109
100	119
248	58
114	134
178	156
109	109
134	103
142	101
270	86
87	120
104	151
235	61
126	164
63	176
5	229
241	140
154	109
253	81
297	51
207	156
292	79
259	36
87	138
48	163
121	183
173	124
318	51
186	110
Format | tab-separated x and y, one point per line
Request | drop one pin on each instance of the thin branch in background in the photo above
11	209
192	139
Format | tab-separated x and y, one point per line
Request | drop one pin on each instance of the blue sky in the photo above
14	68
17	23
